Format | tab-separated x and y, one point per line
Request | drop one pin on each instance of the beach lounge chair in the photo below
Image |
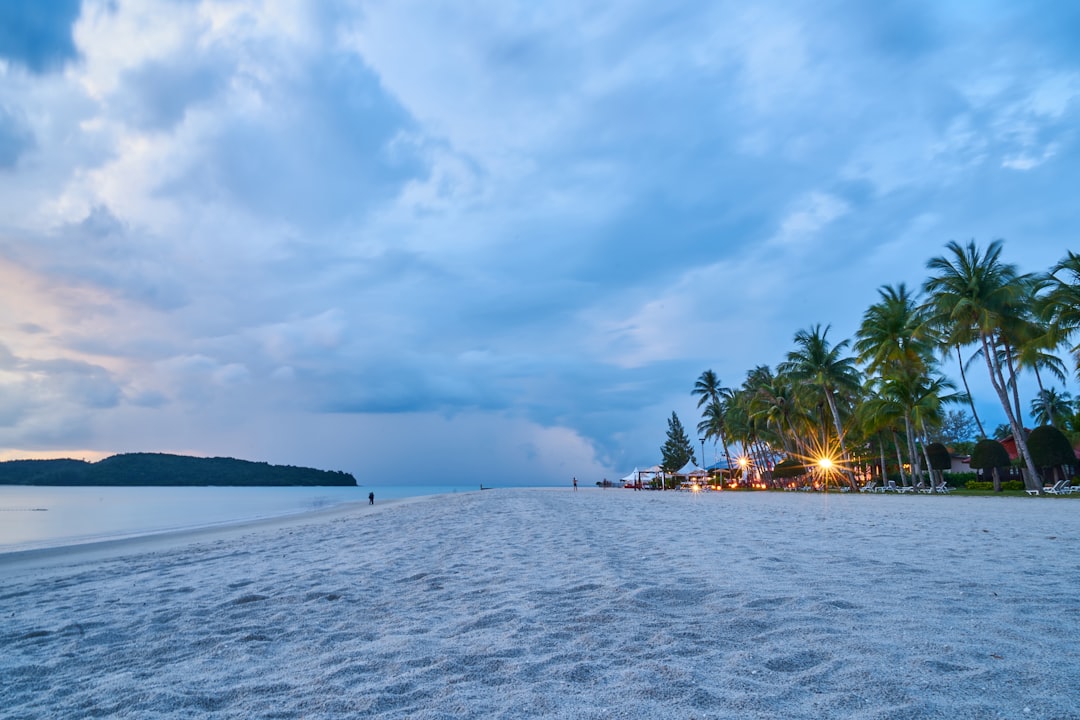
890	487
869	487
1058	488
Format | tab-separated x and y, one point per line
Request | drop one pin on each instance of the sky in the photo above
488	242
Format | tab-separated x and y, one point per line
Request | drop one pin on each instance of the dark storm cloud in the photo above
37	35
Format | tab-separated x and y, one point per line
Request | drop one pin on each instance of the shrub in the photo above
788	468
1049	447
981	485
939	456
989	454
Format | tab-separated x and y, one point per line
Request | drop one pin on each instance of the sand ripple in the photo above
596	604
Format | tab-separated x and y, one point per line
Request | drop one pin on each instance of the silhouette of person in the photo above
371	498
575	484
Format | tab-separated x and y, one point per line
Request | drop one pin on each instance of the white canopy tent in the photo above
691	470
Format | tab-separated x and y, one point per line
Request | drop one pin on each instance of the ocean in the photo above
40	517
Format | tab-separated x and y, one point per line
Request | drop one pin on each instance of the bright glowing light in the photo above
825	463
744	461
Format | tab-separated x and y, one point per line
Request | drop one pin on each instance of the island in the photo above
160	469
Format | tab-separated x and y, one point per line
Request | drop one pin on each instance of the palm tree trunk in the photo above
926	456
967	390
913	453
727	455
1038	379
899	459
1031	480
881	451
840	437
1015	384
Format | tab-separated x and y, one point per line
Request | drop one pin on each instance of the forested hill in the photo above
161	469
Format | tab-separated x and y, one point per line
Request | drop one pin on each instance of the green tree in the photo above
1051	407
1051	449
713	396
824	366
677	449
990	455
892	332
957	426
978	295
1060	303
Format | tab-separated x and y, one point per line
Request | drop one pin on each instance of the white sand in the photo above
596	604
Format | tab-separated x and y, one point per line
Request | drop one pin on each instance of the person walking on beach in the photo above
575	483
371	498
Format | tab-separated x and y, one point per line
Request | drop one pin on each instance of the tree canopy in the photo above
677	449
160	469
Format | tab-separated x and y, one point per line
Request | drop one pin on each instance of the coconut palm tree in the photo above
879	417
713	425
817	362
713	395
1036	342
1051	407
934	392
893	332
976	293
776	402
1060	301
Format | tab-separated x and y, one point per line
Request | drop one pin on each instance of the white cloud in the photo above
250	212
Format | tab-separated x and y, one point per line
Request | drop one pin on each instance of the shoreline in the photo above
61	555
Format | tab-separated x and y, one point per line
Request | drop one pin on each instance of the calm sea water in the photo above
38	517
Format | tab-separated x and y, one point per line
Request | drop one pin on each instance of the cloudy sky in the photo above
492	241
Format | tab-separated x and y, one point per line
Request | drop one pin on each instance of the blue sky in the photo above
494	242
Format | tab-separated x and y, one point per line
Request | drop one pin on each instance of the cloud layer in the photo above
493	243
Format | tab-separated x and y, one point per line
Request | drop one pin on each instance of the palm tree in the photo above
777	404
879	415
1036	342
1051	407
816	362
713	395
1061	302
926	411
893	332
976	294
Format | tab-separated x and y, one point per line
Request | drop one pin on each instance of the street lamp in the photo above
702	441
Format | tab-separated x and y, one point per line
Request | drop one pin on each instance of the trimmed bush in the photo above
788	468
989	454
1049	447
939	456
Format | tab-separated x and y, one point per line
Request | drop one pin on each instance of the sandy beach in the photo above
551	603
